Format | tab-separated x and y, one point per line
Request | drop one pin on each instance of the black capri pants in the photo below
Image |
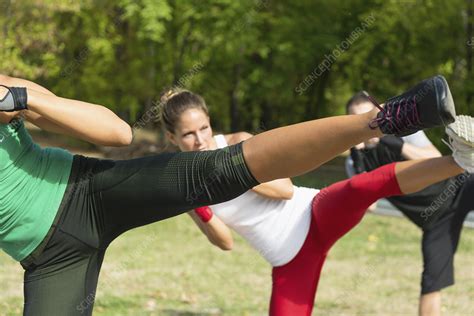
440	240
106	198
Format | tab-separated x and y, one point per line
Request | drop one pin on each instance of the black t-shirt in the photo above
424	207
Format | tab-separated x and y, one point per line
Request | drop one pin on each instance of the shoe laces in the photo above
398	115
449	143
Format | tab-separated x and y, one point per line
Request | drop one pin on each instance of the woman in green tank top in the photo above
59	212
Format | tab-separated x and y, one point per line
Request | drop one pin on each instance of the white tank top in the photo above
277	229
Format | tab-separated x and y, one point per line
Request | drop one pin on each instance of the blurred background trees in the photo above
258	63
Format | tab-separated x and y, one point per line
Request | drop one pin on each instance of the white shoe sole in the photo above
462	129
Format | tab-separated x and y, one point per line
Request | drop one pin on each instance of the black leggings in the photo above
104	199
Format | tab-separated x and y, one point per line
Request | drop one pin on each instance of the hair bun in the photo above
168	94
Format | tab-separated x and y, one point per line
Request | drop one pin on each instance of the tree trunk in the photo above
234	101
469	48
178	69
121	58
315	105
7	8
265	117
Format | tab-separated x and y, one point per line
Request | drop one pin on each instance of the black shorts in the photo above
104	199
440	241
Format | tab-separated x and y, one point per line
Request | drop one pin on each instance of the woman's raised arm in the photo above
90	122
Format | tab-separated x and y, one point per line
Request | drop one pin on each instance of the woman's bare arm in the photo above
411	152
90	122
215	230
86	121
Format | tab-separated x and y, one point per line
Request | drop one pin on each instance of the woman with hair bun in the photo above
292	227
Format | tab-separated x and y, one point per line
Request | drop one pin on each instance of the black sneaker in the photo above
426	105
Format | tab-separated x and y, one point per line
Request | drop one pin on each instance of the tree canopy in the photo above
258	63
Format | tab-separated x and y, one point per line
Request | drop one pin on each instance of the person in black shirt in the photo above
439	210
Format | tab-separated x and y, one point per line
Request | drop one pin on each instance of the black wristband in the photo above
16	99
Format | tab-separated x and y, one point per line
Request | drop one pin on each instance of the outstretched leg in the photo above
293	150
342	205
299	148
336	210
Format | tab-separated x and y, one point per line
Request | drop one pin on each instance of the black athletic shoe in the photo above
426	105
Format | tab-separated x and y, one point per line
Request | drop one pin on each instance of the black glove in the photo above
393	143
358	160
14	100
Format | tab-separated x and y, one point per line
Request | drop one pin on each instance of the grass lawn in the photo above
169	268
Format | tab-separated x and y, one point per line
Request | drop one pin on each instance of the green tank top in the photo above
32	184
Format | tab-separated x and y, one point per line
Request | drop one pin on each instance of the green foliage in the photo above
261	63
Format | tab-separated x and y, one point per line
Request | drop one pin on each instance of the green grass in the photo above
324	176
169	268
